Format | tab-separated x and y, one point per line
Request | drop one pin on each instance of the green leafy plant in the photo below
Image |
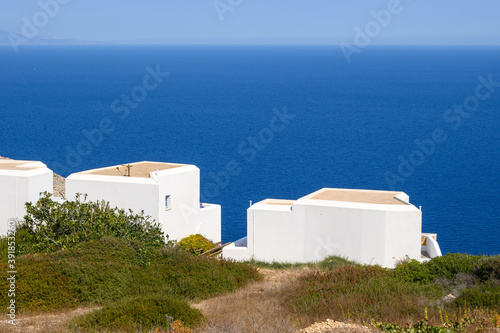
196	244
50	226
446	266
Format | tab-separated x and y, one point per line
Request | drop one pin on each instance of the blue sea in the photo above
273	122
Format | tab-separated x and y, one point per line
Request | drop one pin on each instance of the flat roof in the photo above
6	164
279	202
138	169
360	196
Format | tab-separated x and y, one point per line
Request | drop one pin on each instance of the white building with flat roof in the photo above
21	182
168	192
369	227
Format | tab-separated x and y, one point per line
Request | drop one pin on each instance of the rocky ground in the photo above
59	186
334	326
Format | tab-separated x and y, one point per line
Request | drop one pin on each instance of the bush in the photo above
40	285
107	270
399	296
473	280
194	243
446	266
50	226
335	262
488	269
480	296
140	314
318	292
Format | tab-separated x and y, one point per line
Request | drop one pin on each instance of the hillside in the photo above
90	286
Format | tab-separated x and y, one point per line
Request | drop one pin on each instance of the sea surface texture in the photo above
273	122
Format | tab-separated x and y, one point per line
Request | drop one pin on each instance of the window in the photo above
167	202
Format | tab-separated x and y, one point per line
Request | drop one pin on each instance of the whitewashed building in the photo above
21	182
369	227
168	192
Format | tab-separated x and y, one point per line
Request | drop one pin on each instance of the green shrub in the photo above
109	269
334	262
201	277
140	314
278	265
194	243
446	266
50	226
488	269
327	263
40	285
399	296
319	290
485	295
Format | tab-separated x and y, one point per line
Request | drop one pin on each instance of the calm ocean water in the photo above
369	124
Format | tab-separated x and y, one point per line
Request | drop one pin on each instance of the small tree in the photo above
49	225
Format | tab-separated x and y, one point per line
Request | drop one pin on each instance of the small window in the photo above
167	202
40	195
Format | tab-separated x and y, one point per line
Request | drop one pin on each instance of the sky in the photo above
258	21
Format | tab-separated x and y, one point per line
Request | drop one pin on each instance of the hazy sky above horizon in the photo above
257	21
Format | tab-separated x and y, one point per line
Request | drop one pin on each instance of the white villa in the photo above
21	182
168	192
370	227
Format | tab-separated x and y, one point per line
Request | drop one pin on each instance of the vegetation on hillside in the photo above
86	253
453	293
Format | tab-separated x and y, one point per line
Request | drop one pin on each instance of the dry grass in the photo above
258	308
44	323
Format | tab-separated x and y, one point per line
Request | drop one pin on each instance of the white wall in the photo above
237	250
273	235
122	192
314	229
366	233
183	186
403	234
210	222
19	187
342	229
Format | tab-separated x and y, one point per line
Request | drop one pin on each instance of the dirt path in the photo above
259	308
50	322
256	308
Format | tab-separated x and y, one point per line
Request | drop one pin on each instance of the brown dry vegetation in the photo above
256	308
260	308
